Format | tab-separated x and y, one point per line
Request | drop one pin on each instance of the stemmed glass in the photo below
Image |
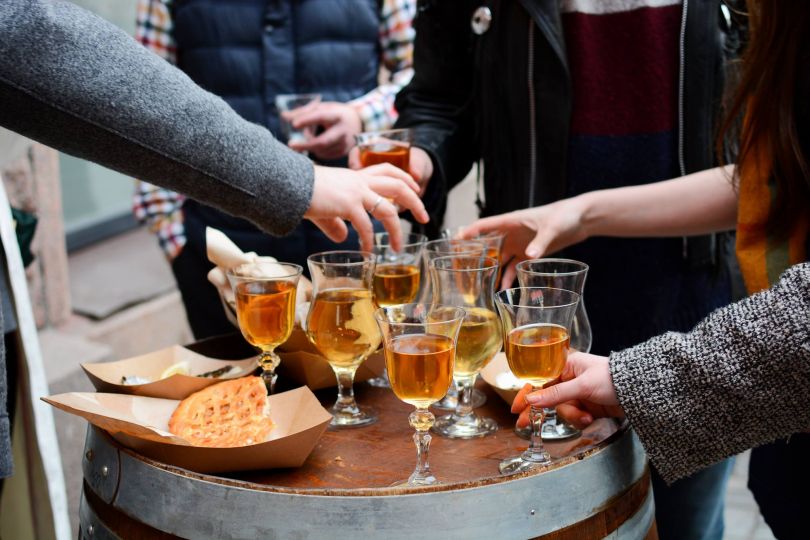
537	327
341	324
420	346
560	274
493	242
265	308
468	282
443	248
396	277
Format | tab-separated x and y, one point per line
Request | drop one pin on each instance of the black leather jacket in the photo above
471	97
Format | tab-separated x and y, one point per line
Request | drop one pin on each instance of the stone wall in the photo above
32	183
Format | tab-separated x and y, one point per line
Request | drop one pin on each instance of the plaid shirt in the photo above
161	208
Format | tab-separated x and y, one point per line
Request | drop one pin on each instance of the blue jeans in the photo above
692	508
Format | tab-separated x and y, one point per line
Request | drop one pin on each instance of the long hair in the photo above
773	95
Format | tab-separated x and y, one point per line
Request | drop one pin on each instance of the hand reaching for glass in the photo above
340	123
340	194
533	232
420	169
585	392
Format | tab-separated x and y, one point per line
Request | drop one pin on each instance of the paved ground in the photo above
125	285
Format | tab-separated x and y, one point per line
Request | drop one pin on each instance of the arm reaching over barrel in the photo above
741	378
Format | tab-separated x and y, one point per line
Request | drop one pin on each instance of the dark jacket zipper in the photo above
532	118
681	112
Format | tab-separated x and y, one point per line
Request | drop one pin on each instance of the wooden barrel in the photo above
597	487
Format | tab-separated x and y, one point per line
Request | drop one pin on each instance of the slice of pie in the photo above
224	415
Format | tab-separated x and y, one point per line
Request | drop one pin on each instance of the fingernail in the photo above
534	399
586	419
532	253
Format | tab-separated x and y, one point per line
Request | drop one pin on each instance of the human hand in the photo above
340	121
340	194
533	232
421	166
585	392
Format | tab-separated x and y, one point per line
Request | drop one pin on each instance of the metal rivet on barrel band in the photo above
532	511
89	455
481	20
105	471
90	530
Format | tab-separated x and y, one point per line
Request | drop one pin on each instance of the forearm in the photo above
78	84
741	378
699	203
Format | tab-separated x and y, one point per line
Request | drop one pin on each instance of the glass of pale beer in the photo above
537	328
560	274
493	242
397	274
390	146
420	347
265	308
341	324
468	282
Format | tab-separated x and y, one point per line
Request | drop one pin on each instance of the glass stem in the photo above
550	416
269	361
465	390
536	452
421	420
345	399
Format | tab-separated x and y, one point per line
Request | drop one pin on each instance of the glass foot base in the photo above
379	382
450	401
519	464
471	427
552	431
415	481
352	418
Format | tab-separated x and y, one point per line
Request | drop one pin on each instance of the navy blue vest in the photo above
248	51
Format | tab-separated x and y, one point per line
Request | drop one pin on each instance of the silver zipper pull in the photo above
481	20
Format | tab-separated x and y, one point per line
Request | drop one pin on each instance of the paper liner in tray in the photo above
106	376
301	362
498	375
141	423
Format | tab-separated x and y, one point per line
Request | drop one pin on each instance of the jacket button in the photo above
481	20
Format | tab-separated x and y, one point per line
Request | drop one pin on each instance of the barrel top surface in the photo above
366	461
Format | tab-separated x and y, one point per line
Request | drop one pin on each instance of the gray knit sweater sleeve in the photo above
73	81
741	378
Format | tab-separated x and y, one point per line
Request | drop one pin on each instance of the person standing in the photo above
561	98
248	53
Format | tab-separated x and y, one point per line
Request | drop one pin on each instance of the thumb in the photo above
554	395
538	246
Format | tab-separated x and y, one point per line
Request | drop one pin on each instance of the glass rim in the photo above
431	243
381	310
576	296
297	267
368	257
493	260
583	267
422	242
383	132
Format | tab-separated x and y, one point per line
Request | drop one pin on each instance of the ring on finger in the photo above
376	204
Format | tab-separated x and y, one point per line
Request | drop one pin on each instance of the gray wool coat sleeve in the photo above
741	378
74	82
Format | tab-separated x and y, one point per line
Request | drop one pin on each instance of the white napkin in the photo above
226	255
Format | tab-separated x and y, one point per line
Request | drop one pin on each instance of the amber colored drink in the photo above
420	367
395	284
537	353
398	155
341	325
496	254
266	312
479	340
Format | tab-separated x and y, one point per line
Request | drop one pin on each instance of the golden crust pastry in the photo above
224	415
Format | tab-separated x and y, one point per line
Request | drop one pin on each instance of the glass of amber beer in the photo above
397	274
420	348
468	282
536	327
265	308
341	324
392	146
492	241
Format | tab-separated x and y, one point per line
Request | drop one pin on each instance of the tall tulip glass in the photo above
443	248
560	274
468	282
265	308
420	348
536	327
396	277
341	324
492	241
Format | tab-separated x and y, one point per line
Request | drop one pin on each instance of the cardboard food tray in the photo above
498	375
106	376
141	423
301	362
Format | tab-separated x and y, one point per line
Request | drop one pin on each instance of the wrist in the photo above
587	207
